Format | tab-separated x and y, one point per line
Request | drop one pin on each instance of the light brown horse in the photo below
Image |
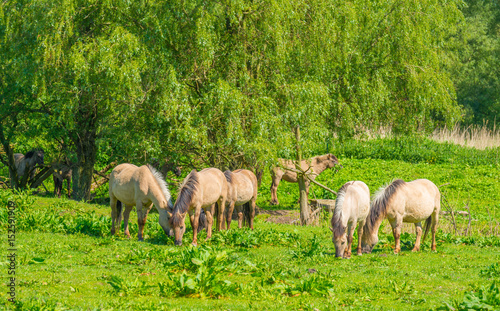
400	202
140	186
351	208
242	193
314	166
199	190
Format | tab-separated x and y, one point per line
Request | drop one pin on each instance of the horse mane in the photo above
186	192
380	201
229	176
336	222
161	182
32	152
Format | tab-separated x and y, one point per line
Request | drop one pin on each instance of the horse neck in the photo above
158	198
318	165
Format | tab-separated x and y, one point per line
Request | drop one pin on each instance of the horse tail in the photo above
202	222
247	213
428	222
118	208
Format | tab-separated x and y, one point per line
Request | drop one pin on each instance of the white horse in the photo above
400	202
140	187
351	208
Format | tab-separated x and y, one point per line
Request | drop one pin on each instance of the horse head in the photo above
331	160
35	156
369	239
339	241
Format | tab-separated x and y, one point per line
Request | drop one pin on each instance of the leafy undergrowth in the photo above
67	260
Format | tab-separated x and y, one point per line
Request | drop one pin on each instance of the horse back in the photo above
122	183
422	199
212	186
245	183
357	200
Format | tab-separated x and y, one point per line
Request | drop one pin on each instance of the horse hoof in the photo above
194	244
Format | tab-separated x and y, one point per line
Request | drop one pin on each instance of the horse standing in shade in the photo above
400	202
242	194
200	190
62	172
140	186
25	163
351	208
314	166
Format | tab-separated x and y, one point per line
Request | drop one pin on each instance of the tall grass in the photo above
476	136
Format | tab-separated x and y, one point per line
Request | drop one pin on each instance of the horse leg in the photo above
274	189
350	233
360	234
396	231
126	215
418	231
220	216
435	220
142	215
194	216
209	212
229	215
114	214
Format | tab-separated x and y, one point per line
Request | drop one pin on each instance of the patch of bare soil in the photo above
280	216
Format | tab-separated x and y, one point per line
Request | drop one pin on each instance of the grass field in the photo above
67	260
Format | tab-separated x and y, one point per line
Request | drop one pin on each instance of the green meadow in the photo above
66	258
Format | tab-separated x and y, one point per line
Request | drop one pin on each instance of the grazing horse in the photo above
62	172
140	186
200	190
400	202
314	166
351	208
242	193
25	163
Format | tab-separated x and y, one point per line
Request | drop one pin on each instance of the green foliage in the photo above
416	150
492	271
484	299
477	46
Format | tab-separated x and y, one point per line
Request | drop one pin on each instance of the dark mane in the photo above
379	204
336	222
33	152
186	193
229	176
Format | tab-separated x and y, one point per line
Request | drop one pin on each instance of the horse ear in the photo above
331	229
169	214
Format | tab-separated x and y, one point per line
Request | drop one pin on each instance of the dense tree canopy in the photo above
219	84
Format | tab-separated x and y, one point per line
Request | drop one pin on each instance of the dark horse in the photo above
61	171
26	163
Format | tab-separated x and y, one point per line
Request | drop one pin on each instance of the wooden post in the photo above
304	207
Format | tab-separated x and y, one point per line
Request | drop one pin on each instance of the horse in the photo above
199	190
25	163
242	193
143	187
314	166
399	202
62	172
351	208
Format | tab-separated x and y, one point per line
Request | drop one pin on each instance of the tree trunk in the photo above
304	207
9	162
86	150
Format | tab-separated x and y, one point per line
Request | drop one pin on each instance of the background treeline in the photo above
224	83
